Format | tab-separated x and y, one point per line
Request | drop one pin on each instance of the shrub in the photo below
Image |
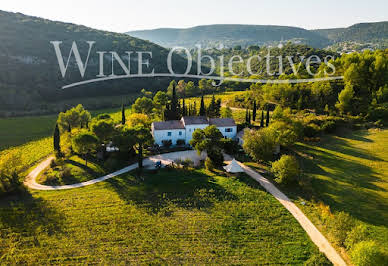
358	234
318	259
209	164
186	163
340	225
166	143
329	126
112	164
9	177
229	146
379	113
311	130
180	142
286	170
216	156
367	253
65	173
260	144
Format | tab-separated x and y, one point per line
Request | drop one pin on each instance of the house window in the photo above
169	134
180	133
229	129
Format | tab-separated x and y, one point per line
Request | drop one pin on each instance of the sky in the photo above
122	16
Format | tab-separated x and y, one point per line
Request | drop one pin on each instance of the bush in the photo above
329	126
230	146
209	164
65	173
340	225
311	130
286	170
318	259
166	143
9	177
367	253
216	156
379	113
260	144
358	234
180	142
112	164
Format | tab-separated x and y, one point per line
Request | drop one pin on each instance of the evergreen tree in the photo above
267	121
194	113
184	111
57	140
211	110
122	115
202	109
246	116
218	108
262	119
174	104
254	111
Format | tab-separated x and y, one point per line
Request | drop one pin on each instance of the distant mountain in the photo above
30	77
362	32
231	35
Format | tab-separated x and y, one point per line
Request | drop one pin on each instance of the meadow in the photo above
173	217
349	173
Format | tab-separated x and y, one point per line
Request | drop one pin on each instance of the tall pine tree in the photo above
184	110
262	119
122	114
57	140
254	111
174	101
202	109
267	121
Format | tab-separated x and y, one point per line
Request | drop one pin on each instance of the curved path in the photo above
316	236
166	159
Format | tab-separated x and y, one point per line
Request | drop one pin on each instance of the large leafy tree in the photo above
85	143
103	129
143	105
76	117
260	144
209	140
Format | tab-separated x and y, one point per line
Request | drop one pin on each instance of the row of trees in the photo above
363	89
96	134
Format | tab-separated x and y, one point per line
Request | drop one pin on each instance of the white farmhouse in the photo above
181	131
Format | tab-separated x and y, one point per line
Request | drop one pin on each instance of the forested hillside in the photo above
30	78
230	36
362	32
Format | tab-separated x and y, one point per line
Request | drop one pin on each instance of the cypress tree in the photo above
194	113
174	104
122	115
254	111
246	116
267	121
184	111
262	119
57	140
202	109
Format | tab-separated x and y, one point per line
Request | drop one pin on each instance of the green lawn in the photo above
20	130
173	217
75	170
350	173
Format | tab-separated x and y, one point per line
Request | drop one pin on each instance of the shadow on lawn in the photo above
187	189
349	185
22	213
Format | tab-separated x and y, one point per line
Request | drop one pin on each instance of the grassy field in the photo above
350	173
20	130
173	217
